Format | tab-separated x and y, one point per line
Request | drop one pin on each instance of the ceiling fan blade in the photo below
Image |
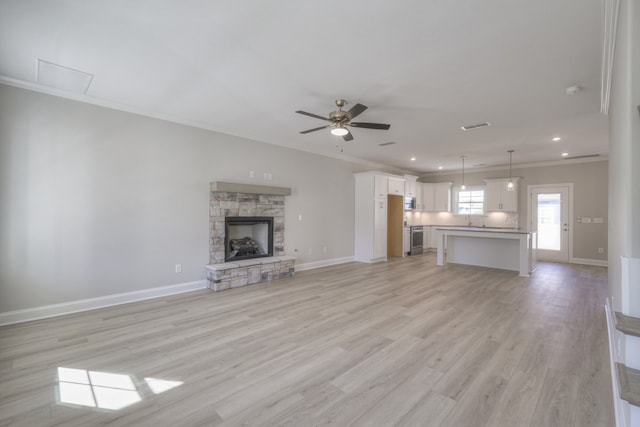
356	111
312	115
315	129
370	125
348	136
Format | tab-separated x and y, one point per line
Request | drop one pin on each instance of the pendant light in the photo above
463	187
510	186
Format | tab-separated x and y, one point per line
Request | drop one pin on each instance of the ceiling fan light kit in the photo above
340	120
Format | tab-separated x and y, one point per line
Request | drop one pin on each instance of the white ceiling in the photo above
425	67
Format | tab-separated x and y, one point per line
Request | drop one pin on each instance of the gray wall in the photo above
590	197
95	202
624	138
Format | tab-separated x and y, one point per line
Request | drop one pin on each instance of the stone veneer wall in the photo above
223	204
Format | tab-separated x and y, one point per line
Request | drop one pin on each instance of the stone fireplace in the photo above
246	235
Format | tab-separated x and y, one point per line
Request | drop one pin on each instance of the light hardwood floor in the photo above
397	343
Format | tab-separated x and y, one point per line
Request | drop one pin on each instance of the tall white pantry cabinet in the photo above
371	192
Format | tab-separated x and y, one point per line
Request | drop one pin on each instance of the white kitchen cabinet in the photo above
426	230
406	240
436	197
411	186
381	185
428	197
498	198
370	239
396	187
380	230
433	239
442	197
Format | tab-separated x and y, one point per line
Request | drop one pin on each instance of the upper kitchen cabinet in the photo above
436	197
498	198
411	186
428	197
381	186
396	187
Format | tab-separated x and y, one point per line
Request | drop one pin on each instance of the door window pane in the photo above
549	221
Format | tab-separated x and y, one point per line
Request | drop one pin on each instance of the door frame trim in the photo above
530	189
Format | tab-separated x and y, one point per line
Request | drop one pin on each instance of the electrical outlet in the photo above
252	174
600	250
324	249
299	217
178	268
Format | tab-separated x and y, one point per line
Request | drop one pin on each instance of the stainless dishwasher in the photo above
417	237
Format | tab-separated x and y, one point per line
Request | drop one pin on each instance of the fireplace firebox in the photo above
248	237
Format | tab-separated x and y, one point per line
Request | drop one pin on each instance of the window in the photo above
470	201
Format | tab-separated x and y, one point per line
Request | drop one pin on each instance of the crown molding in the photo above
600	158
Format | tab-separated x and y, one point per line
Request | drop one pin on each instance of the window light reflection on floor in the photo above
104	390
158	386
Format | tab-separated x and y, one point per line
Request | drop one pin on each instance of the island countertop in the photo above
484	229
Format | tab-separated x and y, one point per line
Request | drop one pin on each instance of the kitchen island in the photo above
506	249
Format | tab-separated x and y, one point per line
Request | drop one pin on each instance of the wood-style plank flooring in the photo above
402	343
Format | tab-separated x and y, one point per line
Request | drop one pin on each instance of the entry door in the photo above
550	219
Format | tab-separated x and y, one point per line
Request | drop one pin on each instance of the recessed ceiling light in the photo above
565	154
556	138
413	159
439	168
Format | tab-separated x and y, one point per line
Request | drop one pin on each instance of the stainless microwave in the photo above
409	203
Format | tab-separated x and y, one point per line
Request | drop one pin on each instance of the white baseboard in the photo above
588	261
323	263
46	311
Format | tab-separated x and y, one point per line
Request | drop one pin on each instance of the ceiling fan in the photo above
341	119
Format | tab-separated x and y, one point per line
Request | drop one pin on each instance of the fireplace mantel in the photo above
234	187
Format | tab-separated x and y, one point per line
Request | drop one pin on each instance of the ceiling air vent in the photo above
63	78
586	156
476	126
384	144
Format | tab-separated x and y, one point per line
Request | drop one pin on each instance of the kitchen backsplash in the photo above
493	219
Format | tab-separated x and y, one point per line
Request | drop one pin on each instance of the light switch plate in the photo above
598	220
586	220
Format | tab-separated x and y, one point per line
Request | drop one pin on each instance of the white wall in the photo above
97	202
